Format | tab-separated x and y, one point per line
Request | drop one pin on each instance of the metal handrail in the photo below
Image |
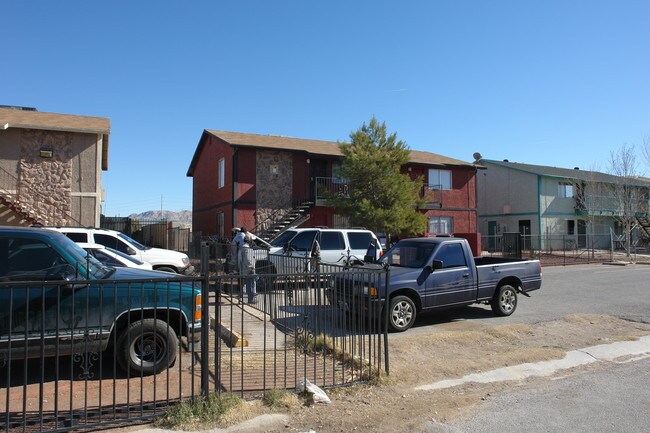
7	178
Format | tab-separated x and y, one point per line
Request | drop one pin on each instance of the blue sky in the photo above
560	83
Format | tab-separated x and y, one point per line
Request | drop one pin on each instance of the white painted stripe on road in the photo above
604	352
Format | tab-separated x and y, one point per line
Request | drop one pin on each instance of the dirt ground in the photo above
450	351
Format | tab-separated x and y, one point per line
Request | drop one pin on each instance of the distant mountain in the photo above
179	216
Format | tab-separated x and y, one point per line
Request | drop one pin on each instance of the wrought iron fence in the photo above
560	249
84	355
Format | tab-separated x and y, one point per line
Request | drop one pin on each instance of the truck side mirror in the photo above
436	264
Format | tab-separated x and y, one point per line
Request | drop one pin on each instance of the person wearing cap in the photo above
247	268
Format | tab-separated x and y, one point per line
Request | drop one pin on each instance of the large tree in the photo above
379	196
628	193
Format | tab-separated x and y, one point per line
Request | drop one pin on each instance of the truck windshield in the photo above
409	255
283	238
133	242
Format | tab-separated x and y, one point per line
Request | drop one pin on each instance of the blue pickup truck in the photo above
55	299
439	272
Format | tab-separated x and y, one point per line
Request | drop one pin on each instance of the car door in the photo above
454	283
298	250
332	246
40	308
359	243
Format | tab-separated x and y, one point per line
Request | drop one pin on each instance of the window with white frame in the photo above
441	225
222	173
565	190
439	179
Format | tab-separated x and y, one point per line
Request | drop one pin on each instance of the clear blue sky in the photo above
558	83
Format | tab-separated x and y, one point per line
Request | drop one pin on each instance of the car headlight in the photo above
186	260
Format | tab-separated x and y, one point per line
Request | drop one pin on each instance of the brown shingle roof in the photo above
28	119
314	147
12	118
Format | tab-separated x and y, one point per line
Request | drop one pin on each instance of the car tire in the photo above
504	302
402	314
146	347
167	269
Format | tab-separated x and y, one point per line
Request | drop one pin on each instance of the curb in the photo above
230	337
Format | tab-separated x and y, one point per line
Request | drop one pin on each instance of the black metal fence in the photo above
91	354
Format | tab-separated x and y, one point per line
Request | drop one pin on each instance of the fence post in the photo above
205	319
386	319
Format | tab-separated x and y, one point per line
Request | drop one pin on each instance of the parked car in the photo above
55	300
337	246
111	257
161	259
440	272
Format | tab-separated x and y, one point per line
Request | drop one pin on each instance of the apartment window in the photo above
441	225
439	179
565	190
570	227
222	173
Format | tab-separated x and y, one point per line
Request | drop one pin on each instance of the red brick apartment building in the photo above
266	182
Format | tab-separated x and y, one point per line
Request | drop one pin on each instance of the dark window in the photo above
283	238
30	259
570	227
78	237
111	242
359	240
452	256
303	240
106	259
332	241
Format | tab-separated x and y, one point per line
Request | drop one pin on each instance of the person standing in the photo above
247	269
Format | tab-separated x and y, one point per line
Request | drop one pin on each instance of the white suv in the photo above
160	259
337	246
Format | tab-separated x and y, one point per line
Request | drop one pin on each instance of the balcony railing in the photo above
327	187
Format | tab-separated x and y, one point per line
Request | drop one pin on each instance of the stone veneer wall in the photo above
273	191
45	183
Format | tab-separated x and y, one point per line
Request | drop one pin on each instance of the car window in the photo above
30	259
408	255
111	242
105	258
303	240
359	240
77	237
283	238
451	255
332	241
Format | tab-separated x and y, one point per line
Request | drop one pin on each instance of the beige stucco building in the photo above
552	207
51	167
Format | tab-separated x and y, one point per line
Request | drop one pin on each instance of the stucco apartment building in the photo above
51	167
556	207
252	180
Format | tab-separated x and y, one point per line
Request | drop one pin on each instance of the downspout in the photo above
539	209
235	177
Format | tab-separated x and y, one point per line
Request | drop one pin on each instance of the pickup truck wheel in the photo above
402	314
147	347
504	302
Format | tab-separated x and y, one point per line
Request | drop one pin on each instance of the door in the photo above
317	168
298	252
582	234
492	233
332	247
454	283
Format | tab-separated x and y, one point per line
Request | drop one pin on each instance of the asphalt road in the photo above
621	291
614	398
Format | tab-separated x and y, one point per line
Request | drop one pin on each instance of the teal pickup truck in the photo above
57	300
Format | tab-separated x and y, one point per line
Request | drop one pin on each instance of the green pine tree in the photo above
379	196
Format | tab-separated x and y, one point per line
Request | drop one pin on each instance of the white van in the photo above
337	246
160	259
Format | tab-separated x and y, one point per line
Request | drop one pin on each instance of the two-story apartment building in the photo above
554	206
258	181
51	167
